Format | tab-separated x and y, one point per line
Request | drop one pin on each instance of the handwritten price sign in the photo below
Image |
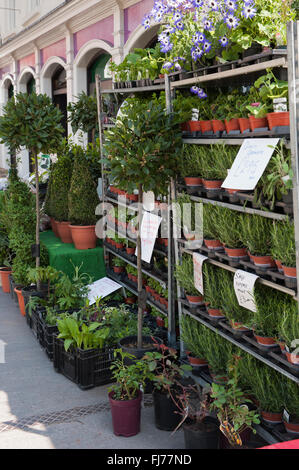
244	289
198	260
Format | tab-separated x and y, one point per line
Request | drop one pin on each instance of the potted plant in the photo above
283	247
18	129
190	168
288	331
212	295
291	404
83	115
211	215
125	395
233	411
230	233
193	335
118	265
184	276
256	236
83	200
166	373
150	143
218	351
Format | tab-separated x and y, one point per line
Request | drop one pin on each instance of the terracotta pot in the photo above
130	251
244	124
130	300
273	418
160	322
236	252
215	313
54	227
164	301
196	361
194	126
263	261
118	269
232	125
212	184
5	273
193	181
185	126
64	232
133	197
265	340
84	237
278	265
213	244
232	191
134	278
289	272
256	123
278	119
21	301
292	358
282	346
195	299
206	126
292	428
119	246
238	326
217	126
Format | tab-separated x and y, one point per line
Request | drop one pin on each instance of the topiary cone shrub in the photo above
83	200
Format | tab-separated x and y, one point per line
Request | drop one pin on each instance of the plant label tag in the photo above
244	288
149	201
149	230
198	260
102	288
286	416
280	105
250	163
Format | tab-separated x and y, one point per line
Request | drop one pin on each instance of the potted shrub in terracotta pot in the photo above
190	168
193	335
184	276
230	233
118	265
256	236
283	247
213	296
83	200
291	405
289	331
211	216
125	395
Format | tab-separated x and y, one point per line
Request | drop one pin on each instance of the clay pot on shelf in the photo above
263	261
217	126
232	125
236	252
215	245
215	313
193	181
244	124
278	265
54	227
160	322
185	127
64	232
194	126
258	123
195	299
84	237
197	361
130	250
292	358
265	340
278	119
292	427
271	418
212	184
238	326
118	269
206	126
289	272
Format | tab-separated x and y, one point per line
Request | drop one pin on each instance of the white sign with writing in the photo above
102	288
250	163
149	229
198	260
244	289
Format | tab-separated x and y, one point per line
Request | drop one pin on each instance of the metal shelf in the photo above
280	62
147	273
243	347
230	140
271	284
235	207
135	90
126	286
122	204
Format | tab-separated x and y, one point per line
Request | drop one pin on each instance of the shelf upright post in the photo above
171	296
99	107
293	79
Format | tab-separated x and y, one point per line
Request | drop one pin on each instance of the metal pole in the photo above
293	77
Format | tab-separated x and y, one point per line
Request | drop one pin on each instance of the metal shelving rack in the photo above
291	62
105	198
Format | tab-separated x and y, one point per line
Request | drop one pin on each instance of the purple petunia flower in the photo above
207	46
248	12
180	25
201	94
146	22
196	53
207	24
231	21
223	41
198	38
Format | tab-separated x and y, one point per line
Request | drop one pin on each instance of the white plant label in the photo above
102	288
149	229
149	201
250	163
244	288
198	260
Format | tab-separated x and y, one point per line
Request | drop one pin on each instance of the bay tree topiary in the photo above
32	121
83	114
60	185
143	150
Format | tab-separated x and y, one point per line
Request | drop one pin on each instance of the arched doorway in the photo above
97	66
7	93
59	94
26	84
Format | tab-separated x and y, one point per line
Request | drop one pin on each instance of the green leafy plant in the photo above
211	216
60	184
256	234
212	278
233	311
291	403
83	114
270	307
79	335
288	327
194	336
230	228
218	352
184	275
283	242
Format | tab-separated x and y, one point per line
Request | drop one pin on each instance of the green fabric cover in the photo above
61	255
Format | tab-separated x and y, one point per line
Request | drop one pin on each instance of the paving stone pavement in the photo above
41	409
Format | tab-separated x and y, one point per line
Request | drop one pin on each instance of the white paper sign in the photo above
149	201
250	163
149	229
102	288
244	289
198	260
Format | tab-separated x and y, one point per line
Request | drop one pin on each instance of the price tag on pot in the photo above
286	416
198	260
102	288
250	163
244	288
149	229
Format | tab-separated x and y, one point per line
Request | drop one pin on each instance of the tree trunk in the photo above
139	269
37	237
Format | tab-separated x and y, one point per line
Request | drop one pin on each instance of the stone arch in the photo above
140	38
47	72
26	74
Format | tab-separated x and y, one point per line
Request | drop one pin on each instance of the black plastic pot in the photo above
207	437
138	353
166	418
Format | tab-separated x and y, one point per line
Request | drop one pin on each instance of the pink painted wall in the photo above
4	70
134	15
101	30
57	49
28	61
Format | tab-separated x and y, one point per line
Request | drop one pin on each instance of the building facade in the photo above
57	47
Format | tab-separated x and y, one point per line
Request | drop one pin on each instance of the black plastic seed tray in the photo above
280	357
263	350
237	333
